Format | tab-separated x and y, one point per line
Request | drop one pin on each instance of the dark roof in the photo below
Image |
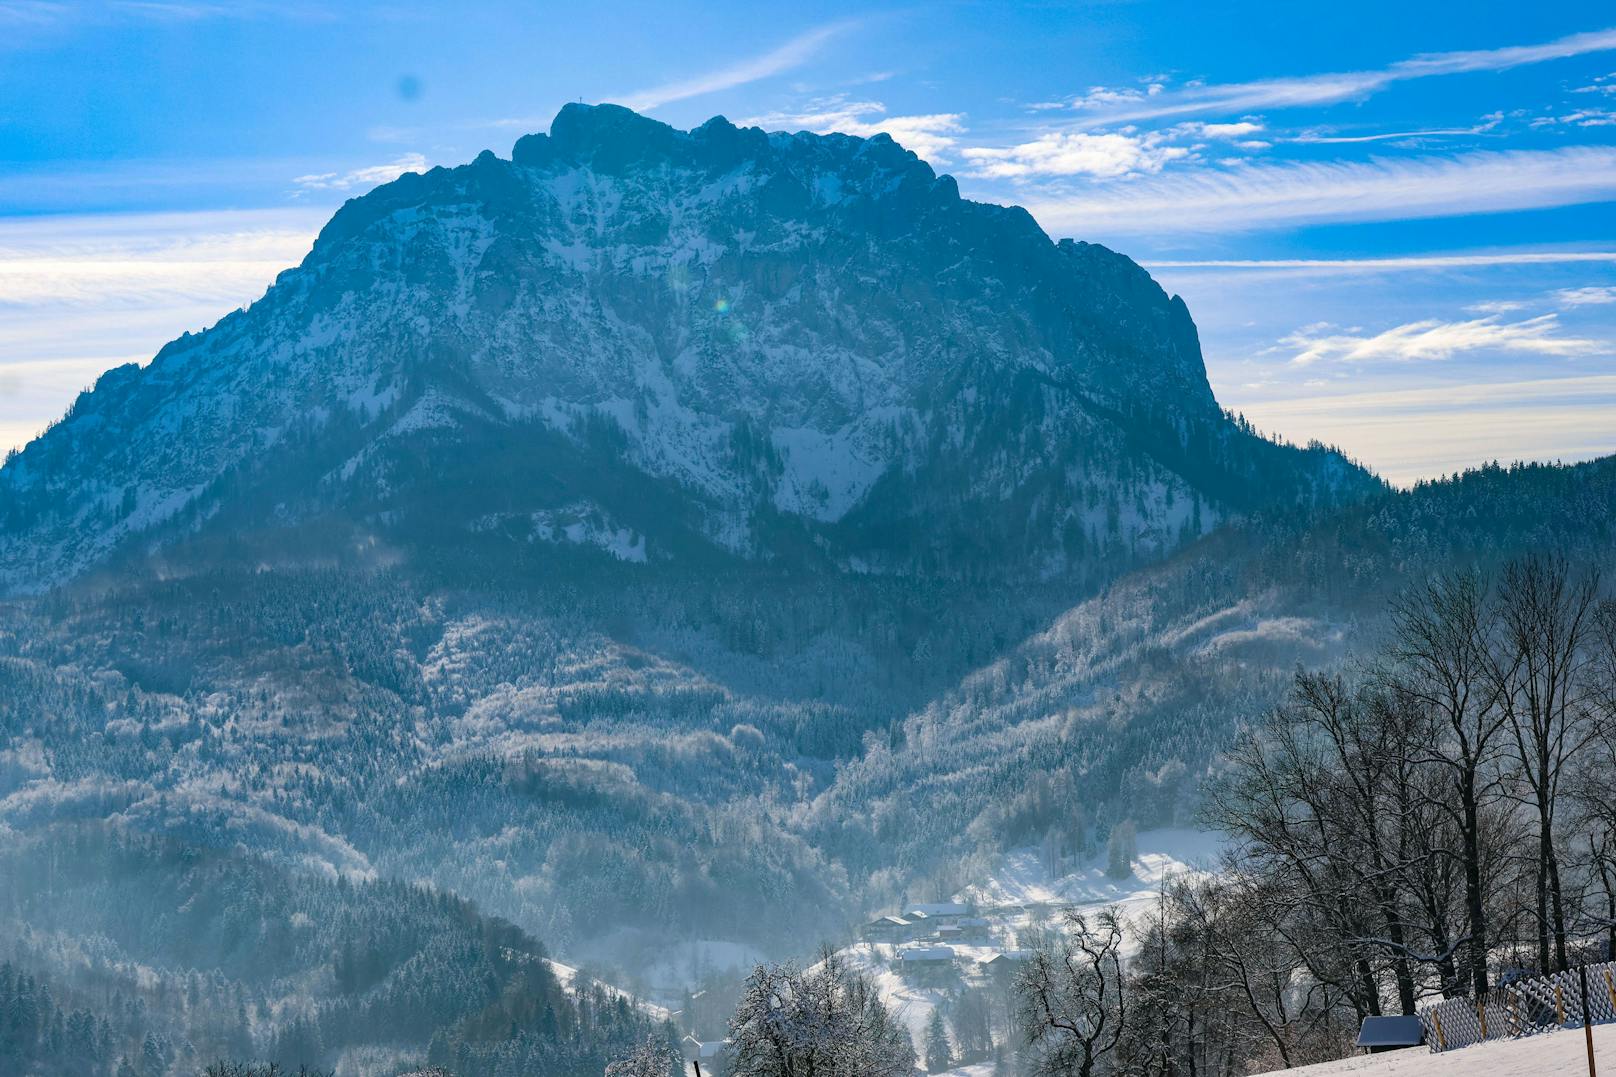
1391	1032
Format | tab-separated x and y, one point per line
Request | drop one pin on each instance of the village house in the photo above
927	964
937	913
888	929
1005	963
709	1053
974	928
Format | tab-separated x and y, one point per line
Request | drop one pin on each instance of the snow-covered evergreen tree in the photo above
939	1055
653	1057
825	1019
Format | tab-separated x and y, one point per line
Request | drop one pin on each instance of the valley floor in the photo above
1554	1054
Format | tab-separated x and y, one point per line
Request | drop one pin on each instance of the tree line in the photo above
1434	821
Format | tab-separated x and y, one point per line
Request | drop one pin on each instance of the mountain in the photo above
671	347
676	544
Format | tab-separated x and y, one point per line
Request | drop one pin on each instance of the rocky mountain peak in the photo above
660	345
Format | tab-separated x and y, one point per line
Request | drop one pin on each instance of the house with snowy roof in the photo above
1006	961
926	964
710	1053
888	929
937	913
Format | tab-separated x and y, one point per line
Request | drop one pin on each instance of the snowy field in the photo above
1554	1054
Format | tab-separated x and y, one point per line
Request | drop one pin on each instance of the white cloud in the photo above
1586	297
367	177
1420	433
931	135
1277	195
1495	306
1103	156
1110	154
80	294
1433	340
1380	265
1231	131
149	258
1582	117
1115	106
792	54
42	13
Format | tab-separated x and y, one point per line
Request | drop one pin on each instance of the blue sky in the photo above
1395	225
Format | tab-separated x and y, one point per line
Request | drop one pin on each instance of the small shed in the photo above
1390	1034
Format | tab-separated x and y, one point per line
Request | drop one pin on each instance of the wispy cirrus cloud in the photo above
1395	264
1327	137
1295	193
931	135
220	268
149	258
43	13
1127	105
82	293
1408	434
792	54
366	177
1590	296
1580	117
1495	306
1433	339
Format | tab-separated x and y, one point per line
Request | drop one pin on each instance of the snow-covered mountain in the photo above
668	346
680	544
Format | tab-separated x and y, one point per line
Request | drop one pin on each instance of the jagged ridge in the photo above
669	346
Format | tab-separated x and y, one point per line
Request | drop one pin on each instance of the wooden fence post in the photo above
1441	1040
1559	1003
1481	1015
1610	989
1587	1018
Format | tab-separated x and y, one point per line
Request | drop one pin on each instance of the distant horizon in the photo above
1393	233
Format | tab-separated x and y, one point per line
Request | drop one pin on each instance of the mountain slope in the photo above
668	346
1119	706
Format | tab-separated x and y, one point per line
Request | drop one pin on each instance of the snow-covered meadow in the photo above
1555	1054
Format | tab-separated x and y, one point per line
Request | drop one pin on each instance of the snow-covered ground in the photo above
568	975
1020	892
1022	878
1554	1054
1011	899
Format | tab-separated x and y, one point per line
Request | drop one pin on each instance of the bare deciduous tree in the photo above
1542	669
1072	996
